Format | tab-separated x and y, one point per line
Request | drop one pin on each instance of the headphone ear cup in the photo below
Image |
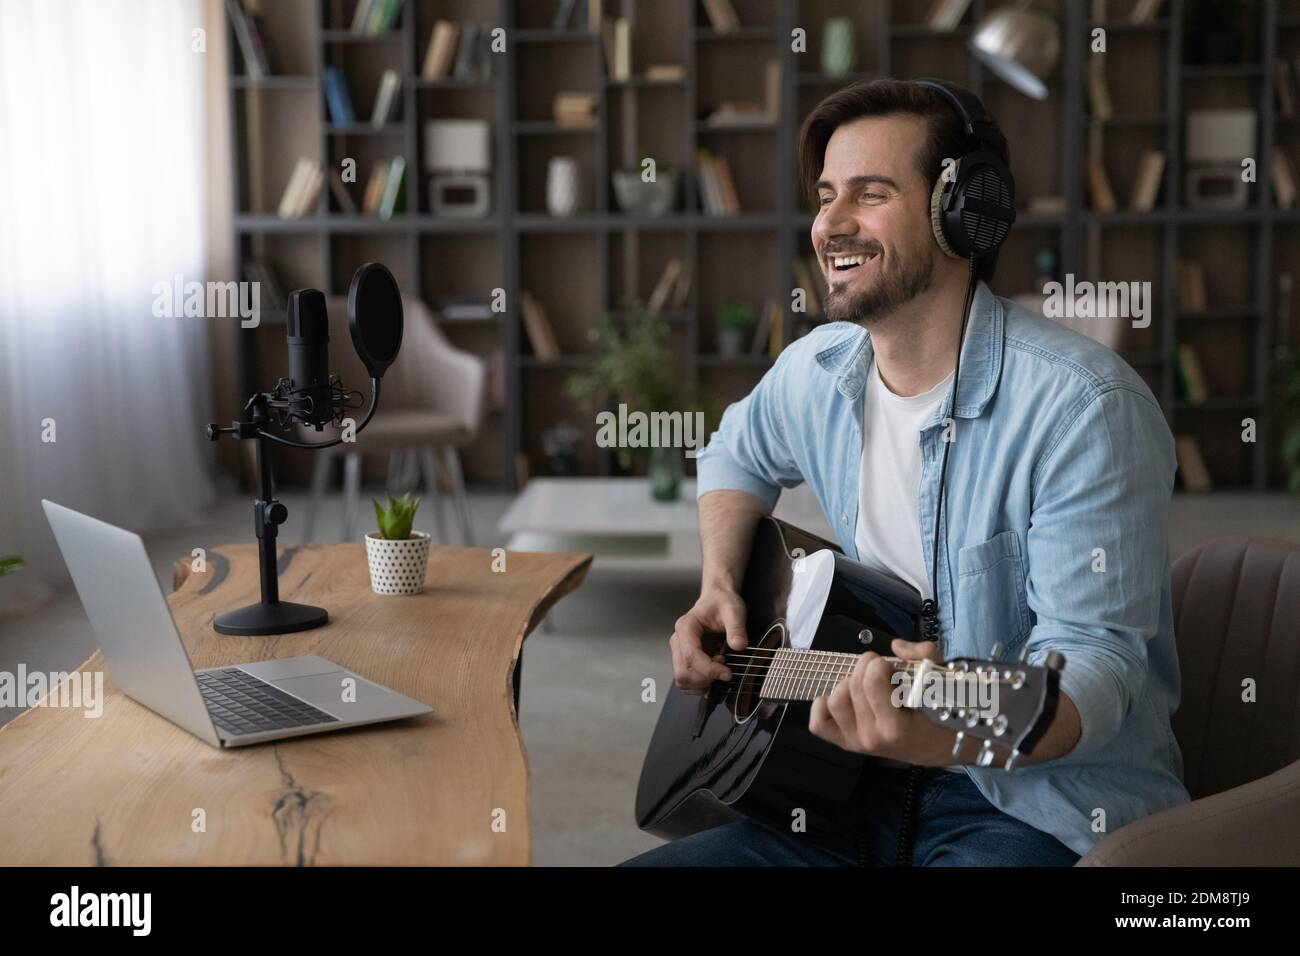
937	217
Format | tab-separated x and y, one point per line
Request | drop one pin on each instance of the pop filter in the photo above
375	317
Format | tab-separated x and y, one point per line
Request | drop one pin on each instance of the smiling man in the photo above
1059	468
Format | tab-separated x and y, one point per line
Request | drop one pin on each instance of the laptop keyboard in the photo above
242	704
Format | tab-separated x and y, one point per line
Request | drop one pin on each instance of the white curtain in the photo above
102	196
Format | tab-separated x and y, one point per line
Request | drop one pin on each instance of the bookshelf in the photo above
602	259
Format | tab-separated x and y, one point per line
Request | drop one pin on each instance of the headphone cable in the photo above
930	607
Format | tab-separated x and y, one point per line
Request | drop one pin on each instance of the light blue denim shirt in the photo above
1053	535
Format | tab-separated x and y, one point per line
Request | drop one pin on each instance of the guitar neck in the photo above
794	674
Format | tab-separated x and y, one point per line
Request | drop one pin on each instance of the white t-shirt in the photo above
887	534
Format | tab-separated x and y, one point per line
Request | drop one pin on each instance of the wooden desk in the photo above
124	788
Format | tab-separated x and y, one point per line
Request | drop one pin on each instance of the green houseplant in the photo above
11	564
398	556
634	366
736	321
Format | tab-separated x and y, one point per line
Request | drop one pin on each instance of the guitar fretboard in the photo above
794	674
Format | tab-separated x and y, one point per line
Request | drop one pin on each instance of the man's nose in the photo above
834	221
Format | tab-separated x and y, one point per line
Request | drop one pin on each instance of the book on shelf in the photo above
739	113
682	291
347	205
1047	205
373	17
722	15
538	327
394	188
665	287
1144	11
665	73
1099	102
576	109
1099	191
1192	374
386	101
251	39
945	15
1284	179
1147	185
772	90
374	191
593	15
299	197
1191	286
718	189
337	98
441	54
469	50
621	62
270	290
1191	464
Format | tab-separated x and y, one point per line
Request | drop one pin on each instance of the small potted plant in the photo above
397	555
735	324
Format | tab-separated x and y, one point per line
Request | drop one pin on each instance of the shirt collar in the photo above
981	356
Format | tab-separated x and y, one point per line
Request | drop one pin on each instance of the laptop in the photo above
224	706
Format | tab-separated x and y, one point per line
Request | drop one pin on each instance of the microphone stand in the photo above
271	615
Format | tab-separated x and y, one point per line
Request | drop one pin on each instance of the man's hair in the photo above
879	98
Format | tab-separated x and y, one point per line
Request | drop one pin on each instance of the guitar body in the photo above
729	755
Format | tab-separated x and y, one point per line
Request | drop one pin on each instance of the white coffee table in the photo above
618	521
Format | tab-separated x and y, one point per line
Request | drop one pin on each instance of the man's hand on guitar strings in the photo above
859	714
718	610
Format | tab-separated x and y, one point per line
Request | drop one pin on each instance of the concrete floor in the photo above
584	724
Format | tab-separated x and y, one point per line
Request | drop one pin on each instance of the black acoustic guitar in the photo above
744	748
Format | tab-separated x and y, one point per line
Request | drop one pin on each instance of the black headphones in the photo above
973	207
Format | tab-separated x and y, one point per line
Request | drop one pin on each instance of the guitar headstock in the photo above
1006	704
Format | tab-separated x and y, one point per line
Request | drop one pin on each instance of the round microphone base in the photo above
283	617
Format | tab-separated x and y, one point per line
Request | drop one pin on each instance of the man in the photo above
1052	535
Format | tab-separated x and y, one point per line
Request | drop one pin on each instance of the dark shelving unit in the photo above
600	259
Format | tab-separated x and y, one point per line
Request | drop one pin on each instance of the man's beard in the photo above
897	283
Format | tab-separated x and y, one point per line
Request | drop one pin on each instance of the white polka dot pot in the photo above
397	567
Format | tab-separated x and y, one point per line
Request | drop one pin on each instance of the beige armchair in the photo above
431	405
1237	618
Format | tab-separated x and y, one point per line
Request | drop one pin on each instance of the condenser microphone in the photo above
308	334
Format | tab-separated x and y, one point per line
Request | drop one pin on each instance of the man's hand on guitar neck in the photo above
859	715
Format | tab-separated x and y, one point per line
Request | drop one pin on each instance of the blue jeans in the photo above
955	826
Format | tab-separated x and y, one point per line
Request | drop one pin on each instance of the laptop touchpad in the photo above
344	695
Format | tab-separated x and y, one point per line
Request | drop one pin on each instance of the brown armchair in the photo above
1236	616
431	405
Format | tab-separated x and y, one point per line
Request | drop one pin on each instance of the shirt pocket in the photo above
991	594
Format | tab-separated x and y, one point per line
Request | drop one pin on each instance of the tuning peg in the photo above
1012	761
1055	660
1024	654
985	756
956	745
996	652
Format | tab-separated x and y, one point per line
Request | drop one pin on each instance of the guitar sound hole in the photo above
749	670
